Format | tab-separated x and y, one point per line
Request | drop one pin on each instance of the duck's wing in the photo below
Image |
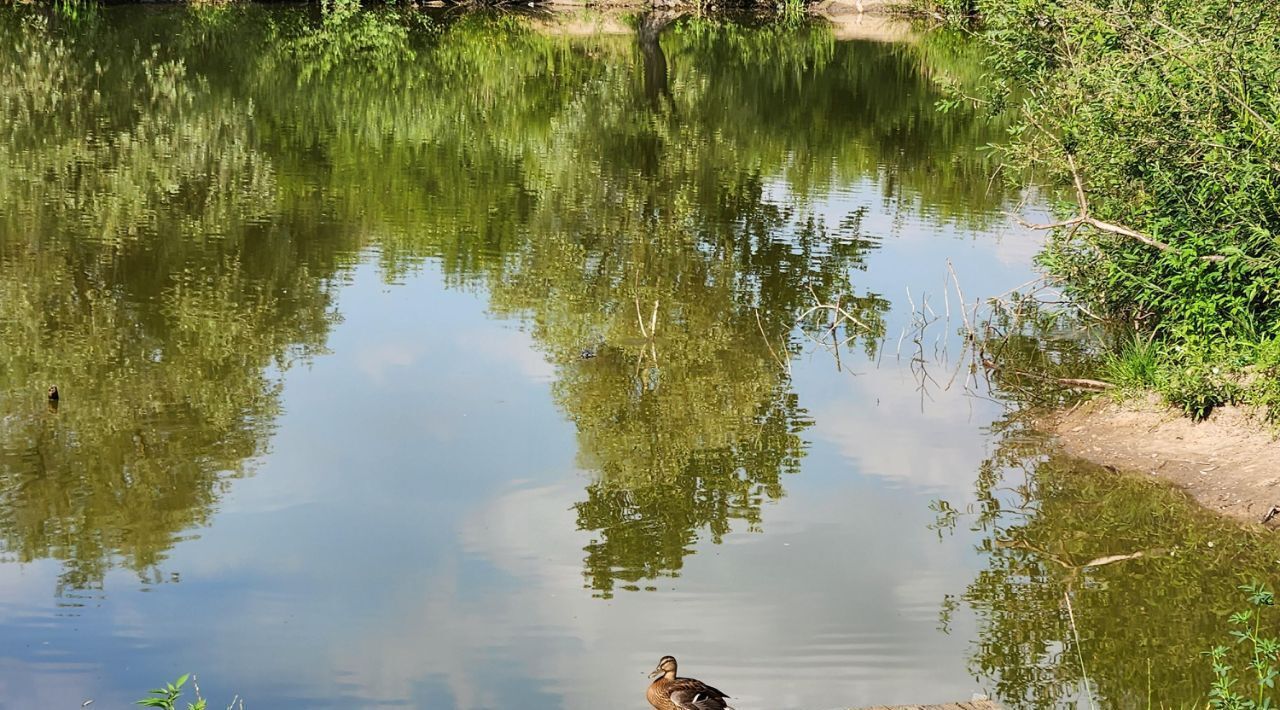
690	694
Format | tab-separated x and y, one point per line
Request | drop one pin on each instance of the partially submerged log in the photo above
966	705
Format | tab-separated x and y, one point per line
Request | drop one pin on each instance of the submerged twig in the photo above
839	315
1082	383
1112	559
786	364
963	304
1071	616
640	318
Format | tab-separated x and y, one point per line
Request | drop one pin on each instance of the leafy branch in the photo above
166	698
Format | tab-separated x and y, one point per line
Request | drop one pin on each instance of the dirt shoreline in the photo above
1229	463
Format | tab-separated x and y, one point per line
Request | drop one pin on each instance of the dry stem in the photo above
1084	218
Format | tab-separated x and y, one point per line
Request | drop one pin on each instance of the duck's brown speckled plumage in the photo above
671	692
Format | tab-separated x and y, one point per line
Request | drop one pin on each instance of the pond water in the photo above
452	361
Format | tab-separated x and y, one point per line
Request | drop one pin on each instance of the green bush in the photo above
1197	387
1263	380
1166	114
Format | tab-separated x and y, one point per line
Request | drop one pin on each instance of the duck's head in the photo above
53	393
666	667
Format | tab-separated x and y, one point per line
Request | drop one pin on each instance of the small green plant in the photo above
167	697
1200	383
1226	692
1134	364
1263	388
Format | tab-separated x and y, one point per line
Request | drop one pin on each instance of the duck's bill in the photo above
656	672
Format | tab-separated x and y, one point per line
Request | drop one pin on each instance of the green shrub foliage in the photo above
1169	111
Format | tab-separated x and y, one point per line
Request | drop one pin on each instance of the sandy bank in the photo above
867	7
882	23
1230	463
883	20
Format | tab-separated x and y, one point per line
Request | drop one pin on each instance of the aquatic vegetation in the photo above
1257	689
166	698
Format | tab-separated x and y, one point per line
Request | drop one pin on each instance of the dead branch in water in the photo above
650	348
838	314
1073	567
1085	383
959	292
1112	559
1084	675
1079	383
653	320
785	364
1084	218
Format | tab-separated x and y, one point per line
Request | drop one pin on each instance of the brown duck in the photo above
669	692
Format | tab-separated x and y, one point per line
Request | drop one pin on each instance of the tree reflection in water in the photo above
187	189
1053	526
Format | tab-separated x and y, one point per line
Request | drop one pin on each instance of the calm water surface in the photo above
452	362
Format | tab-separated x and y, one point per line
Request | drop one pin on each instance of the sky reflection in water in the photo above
318	309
